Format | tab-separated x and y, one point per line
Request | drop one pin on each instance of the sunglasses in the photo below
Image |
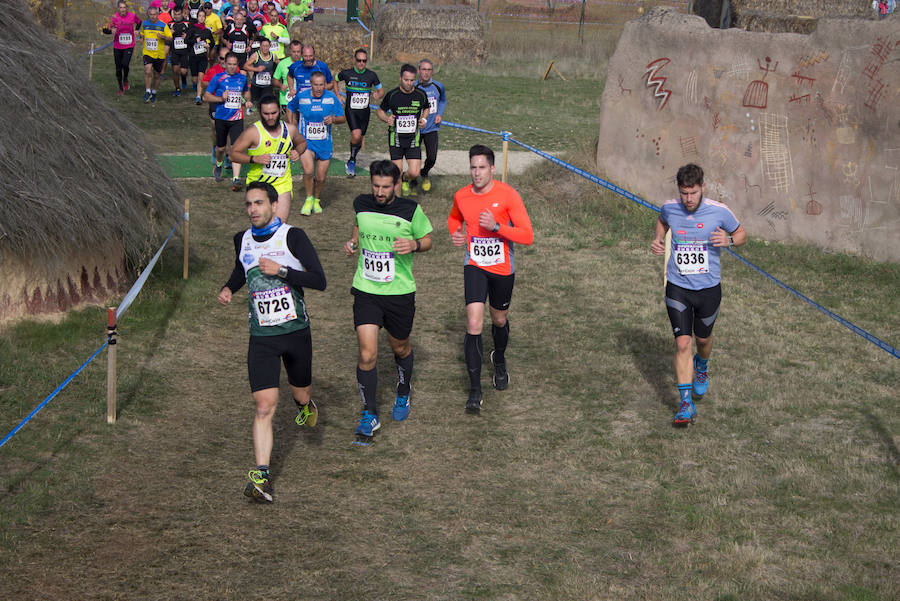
362	60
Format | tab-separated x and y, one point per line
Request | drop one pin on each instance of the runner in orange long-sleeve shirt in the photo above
495	218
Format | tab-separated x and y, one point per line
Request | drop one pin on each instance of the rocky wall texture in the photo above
799	134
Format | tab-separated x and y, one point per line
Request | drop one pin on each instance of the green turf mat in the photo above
196	165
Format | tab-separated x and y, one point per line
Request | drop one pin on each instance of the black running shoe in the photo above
501	376
473	404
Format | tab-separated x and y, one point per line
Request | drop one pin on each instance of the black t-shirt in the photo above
359	87
407	108
180	28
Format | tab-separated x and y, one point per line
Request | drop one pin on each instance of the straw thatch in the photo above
334	43
83	197
447	34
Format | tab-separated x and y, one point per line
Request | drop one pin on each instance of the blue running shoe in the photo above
351	169
401	408
217	172
685	414
176	93
368	423
146	96
701	378
152	98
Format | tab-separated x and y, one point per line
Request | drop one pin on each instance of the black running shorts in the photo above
228	130
395	312
358	119
693	311
480	284
265	354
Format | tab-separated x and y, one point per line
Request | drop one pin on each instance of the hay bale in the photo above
334	43
792	16
446	34
83	197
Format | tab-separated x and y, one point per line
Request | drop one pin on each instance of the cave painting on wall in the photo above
757	94
657	82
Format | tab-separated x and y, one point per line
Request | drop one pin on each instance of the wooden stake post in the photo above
506	135
111	365
187	235
91	63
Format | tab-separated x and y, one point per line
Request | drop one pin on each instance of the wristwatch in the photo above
282	272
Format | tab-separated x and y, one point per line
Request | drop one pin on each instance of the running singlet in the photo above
493	252
275	307
281	71
360	86
379	269
154	42
240	40
407	109
301	74
278	37
278	169
313	112
179	43
695	263
233	87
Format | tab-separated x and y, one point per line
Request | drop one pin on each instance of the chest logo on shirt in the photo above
268	142
495	205
247	258
699	226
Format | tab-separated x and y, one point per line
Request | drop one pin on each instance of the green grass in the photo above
570	485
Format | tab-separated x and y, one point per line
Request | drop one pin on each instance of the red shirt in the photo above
212	72
491	251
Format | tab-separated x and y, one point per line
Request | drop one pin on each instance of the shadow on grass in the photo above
652	356
884	435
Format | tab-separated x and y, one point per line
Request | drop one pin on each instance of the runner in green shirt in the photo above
387	230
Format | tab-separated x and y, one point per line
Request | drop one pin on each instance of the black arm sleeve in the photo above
301	247
238	278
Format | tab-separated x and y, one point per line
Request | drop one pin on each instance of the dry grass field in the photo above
572	484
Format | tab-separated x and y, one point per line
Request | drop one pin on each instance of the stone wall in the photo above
799	134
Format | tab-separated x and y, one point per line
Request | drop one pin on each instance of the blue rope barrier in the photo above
470	128
96	50
506	136
126	303
363	24
139	283
52	394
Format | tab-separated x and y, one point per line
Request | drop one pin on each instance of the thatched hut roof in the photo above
447	34
74	172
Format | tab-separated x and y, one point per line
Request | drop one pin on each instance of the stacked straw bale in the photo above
445	34
792	16
83	198
334	43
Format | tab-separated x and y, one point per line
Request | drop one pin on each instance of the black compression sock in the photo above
474	356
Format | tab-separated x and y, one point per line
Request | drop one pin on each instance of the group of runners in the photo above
241	55
298	103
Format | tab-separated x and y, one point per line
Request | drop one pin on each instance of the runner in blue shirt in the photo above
437	102
701	227
300	71
314	112
227	91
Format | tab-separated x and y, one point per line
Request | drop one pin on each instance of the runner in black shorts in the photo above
200	42
701	228
408	108
181	51
495	219
277	262
363	89
387	229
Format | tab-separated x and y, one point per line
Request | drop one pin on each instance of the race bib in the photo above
254	45
359	100
200	48
486	251
288	96
276	167
263	78
151	44
232	99
125	39
179	43
274	307
239	47
378	267
193	13
275	47
691	258
432	104
406	124
316	131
